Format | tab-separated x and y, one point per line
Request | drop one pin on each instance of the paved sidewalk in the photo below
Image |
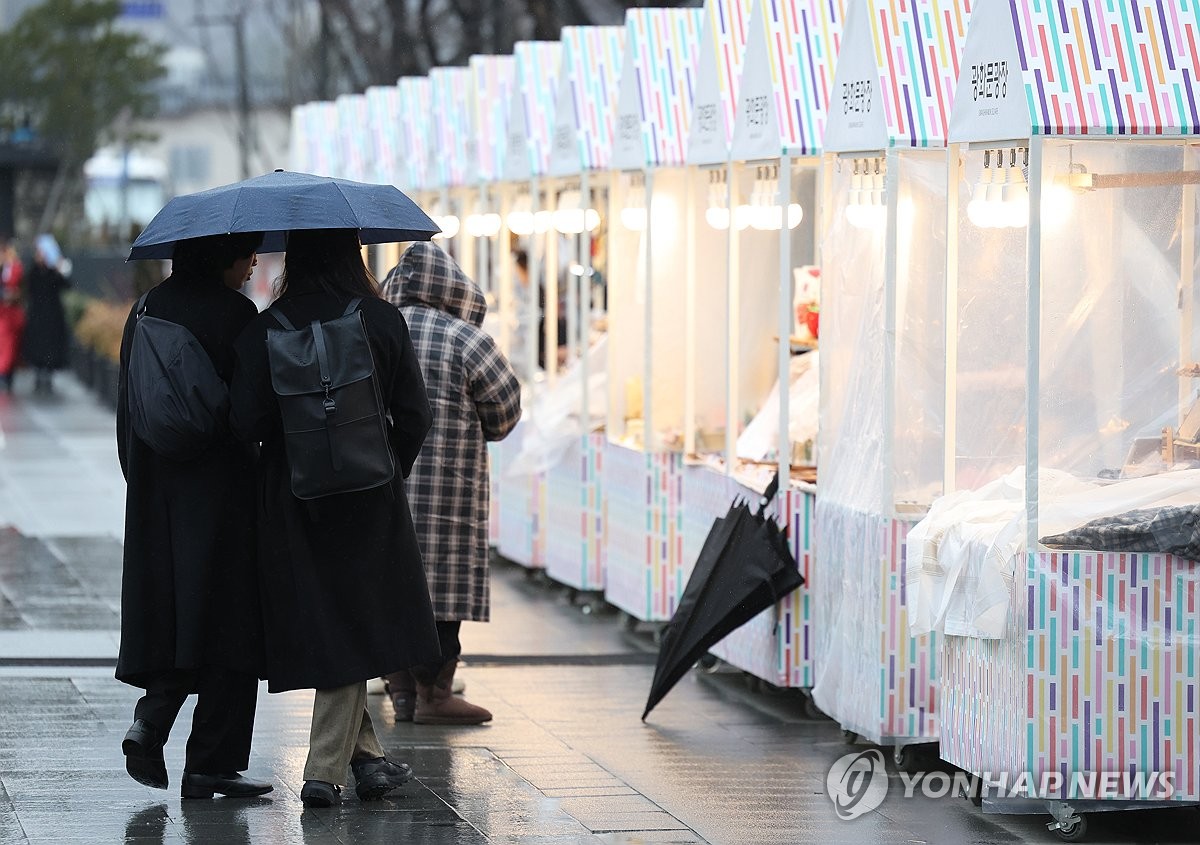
566	760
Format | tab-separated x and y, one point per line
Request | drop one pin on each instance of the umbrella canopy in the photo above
744	567
280	202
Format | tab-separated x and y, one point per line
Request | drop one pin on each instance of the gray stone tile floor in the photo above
566	760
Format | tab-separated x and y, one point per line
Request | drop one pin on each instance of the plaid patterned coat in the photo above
475	397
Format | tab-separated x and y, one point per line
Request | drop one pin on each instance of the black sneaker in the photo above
374	778
318	793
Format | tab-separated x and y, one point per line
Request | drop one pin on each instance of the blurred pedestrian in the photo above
45	343
190	619
344	595
475	397
12	314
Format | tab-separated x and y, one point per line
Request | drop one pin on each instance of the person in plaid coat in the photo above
475	397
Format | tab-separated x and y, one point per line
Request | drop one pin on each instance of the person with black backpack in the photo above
328	383
190	618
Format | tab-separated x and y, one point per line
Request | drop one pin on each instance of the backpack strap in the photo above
352	306
327	383
140	309
280	318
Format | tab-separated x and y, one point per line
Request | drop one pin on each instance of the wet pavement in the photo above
566	760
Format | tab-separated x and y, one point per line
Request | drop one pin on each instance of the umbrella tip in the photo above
278	169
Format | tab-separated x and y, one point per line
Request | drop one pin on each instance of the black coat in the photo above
45	341
344	592
189	592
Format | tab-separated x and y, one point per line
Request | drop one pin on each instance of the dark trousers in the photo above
223	723
450	647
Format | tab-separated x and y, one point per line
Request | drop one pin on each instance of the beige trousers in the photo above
341	731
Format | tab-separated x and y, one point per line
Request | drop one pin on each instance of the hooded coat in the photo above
343	592
475	397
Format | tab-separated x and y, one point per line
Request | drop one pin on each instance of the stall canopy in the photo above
321	144
714	108
658	81
416	103
352	134
492	78
786	78
585	105
383	115
452	139
531	115
1078	68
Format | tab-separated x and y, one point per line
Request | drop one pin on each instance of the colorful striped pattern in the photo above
573	498
352	122
383	116
803	38
451	125
416	103
1097	672
731	22
918	48
1120	67
664	45
538	64
495	469
592	63
493	79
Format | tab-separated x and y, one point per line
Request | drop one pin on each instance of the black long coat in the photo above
45	341
189	592
343	587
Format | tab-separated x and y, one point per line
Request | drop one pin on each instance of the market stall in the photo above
647	256
883	362
1059	564
522	490
569	415
772	218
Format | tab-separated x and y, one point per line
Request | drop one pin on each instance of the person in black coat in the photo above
343	585
190	619
44	346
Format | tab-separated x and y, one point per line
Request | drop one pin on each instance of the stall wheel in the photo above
1074	830
906	758
628	622
709	663
849	736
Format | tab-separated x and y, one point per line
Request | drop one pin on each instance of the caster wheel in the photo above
906	758
975	795
586	609
1073	832
627	623
658	634
849	737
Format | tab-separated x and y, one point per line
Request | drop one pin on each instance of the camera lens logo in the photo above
857	783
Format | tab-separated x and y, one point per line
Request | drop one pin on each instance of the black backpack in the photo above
178	404
334	424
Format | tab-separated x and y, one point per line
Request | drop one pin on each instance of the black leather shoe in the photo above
374	778
233	784
318	793
143	750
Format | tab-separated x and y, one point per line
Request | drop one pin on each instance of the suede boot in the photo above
436	705
403	691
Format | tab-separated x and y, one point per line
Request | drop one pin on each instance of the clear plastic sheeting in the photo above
554	421
759	441
964	557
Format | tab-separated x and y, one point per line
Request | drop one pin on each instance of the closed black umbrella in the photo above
744	567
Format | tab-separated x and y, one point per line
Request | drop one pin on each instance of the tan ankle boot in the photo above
436	705
403	691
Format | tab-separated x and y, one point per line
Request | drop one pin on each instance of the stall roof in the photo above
532	109
352	126
298	154
383	115
722	44
787	78
451	126
585	108
1078	67
896	74
492	81
416	102
323	137
658	82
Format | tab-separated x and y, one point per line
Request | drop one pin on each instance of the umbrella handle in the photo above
768	495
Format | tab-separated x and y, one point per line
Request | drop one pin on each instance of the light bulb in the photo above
977	209
1057	203
483	225
449	225
568	219
742	216
1014	209
543	221
634	219
717	217
520	219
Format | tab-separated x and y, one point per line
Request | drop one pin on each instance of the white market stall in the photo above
883	361
647	256
1070	639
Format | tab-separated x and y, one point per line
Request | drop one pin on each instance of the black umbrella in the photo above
744	567
280	202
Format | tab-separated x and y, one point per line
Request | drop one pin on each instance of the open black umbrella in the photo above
744	567
279	202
